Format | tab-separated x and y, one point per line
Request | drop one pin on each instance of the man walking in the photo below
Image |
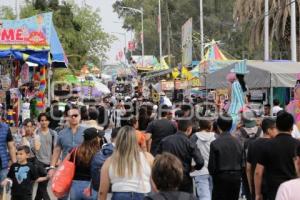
47	139
225	162
255	150
159	129
68	138
181	146
277	159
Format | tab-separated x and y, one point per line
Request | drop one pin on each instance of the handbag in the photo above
63	177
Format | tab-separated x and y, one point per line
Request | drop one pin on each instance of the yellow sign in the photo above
196	82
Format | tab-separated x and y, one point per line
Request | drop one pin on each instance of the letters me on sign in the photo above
35	30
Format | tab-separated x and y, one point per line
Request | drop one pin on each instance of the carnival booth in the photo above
28	49
265	79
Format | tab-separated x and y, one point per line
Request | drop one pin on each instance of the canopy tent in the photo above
31	39
155	74
214	59
261	75
113	71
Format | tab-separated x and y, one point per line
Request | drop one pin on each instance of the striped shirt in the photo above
237	99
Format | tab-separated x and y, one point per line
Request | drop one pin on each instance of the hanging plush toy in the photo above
9	117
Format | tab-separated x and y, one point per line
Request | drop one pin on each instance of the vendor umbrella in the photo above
101	87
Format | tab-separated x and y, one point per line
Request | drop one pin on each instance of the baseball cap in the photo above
92	133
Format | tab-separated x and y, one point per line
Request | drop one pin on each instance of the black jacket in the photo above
180	145
226	155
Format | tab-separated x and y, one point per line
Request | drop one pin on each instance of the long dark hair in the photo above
240	78
87	150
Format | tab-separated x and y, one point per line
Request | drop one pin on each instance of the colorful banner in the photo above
35	31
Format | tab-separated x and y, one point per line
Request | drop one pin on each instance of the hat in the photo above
92	133
249	119
240	68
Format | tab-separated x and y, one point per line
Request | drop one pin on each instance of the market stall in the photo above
32	40
275	76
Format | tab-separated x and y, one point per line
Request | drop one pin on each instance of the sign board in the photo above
187	42
35	30
167	85
195	82
180	84
131	45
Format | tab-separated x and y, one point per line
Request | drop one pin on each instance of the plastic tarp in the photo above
59	58
40	57
261	75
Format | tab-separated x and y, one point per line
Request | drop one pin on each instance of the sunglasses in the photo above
74	116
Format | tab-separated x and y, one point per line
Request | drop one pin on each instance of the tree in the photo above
218	24
79	30
252	13
7	12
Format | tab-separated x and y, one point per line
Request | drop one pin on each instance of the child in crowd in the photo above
22	176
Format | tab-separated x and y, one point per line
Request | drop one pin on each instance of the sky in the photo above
110	23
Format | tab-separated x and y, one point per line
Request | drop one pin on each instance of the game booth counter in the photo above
28	49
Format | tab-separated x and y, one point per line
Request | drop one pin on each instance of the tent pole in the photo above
271	95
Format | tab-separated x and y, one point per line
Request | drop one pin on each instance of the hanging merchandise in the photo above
25	73
15	73
15	103
5	82
41	93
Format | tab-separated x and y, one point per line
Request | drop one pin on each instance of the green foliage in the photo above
218	25
60	74
7	12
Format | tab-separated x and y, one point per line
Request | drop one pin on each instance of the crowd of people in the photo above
138	150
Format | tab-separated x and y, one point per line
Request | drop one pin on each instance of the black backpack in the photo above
247	139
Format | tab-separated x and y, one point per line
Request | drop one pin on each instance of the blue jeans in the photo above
204	187
77	189
127	196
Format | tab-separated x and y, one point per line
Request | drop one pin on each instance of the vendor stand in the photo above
31	40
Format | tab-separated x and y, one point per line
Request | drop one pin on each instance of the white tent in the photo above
261	75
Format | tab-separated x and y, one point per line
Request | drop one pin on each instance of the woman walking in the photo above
80	189
128	170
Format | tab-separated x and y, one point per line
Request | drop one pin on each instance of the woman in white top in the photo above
128	170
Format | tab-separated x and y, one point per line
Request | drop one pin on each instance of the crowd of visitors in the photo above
153	152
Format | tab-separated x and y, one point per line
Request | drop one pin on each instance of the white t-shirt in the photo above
289	190
295	132
135	183
275	110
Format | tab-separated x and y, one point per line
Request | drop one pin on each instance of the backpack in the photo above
97	163
247	140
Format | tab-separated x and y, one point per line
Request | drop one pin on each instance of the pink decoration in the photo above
231	77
